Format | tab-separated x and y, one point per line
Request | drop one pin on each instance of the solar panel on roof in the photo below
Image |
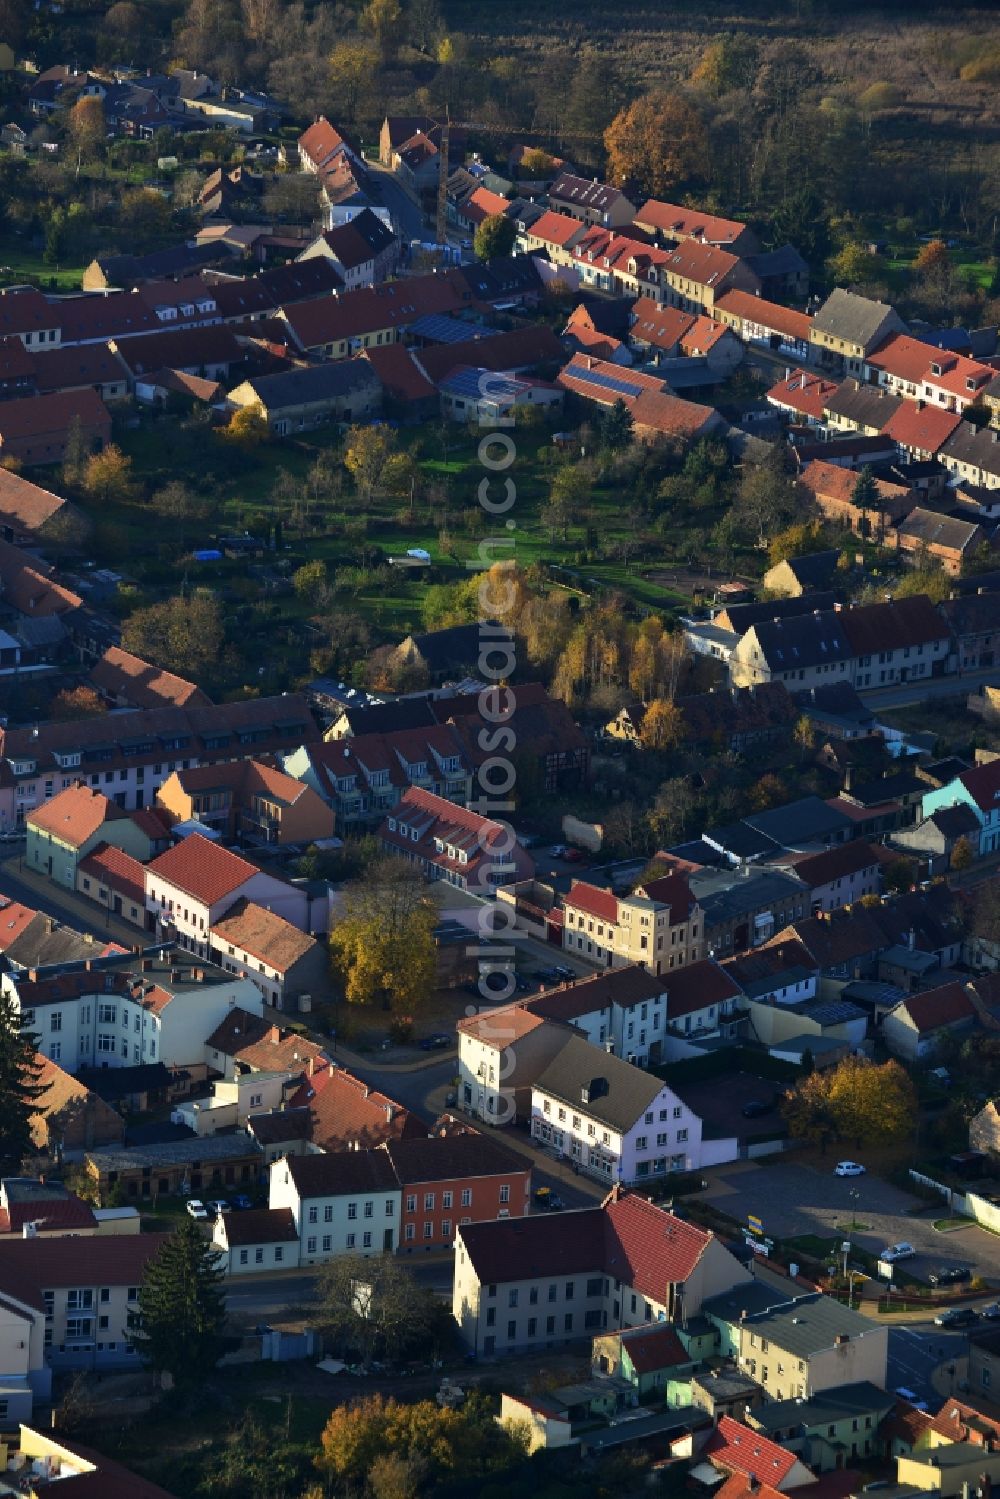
607	382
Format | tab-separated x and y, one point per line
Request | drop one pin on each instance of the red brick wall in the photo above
485	1203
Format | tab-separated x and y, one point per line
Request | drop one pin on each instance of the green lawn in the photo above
20	262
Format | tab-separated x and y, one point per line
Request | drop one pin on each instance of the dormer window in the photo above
67	759
23	767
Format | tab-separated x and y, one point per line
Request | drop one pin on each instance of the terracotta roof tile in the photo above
201	869
260	1226
946	1005
345	1112
592	899
119	674
773	315
920	427
263	934
736	1447
116	869
74	815
672	220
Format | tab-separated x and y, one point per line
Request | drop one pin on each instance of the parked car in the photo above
948	1275
956	1316
524	985
196	1209
756	1107
450	1099
573	856
548	1201
564	973
218	1206
990	1312
242	1201
558	851
848	1168
546	975
437	1041
905	1393
897	1252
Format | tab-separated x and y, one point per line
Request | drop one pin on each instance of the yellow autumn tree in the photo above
662	726
382	948
247	427
659	141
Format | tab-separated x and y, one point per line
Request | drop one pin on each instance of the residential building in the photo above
979	790
934	838
975	625
362	777
781	973
670	224
869	645
614	1121
288	966
244	1041
591	202
147	745
801	397
841	1425
335	327
974	454
116	880
660	926
36	429
549	1280
737	1450
736	718
768	324
345	1203
697	274
947	1469
47	1458
919	430
948	539
794	576
206	1166
247	799
256	1240
448	654
363	250
650	1359
348	1114
74	1300
797	1346
502	1051
746	906
450	1180
833	489
27	511
68	1117
63	831
913	1029
297	400
451	843
120	1010
856	407
127	681
27	315
194	883
848	327
839	876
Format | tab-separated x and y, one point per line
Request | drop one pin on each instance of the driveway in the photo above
792	1200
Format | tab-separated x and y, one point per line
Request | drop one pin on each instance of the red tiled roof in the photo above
592	899
116	869
697	986
831	481
871	628
982	783
626	986
402	379
482	204
77	365
260	1226
704	264
961	1422
921	427
670	219
86	319
654	1248
908	1424
555	228
24	504
903	357
30	586
835	863
946	1005
14	918
804	392
201	869
957	374
736	1447
393	304
74	815
320	141
104	1260
37	415
659	411
670	890
702	336
347	1112
652	1348
120	674
773	315
263	934
661	326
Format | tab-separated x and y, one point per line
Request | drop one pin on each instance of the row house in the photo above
454	1179
63	831
697	274
916	1026
194	883
451	843
871	645
919	430
247	799
590	201
833	487
839	876
36	430
671	224
123	1011
288	966
855	407
973	453
802	397
619	266
920	372
502	1051
364	777
146	747
948	539
632	1014
848	328
660	926
552	1280
767	324
362	251
611	1120
27	315
554	234
338	326
346	1203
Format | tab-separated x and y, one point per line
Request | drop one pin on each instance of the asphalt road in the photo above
406	214
919	692
915	1351
72	910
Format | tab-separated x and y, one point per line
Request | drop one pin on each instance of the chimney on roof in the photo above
841	1339
310	1066
390	1112
274	1035
50	925
88	965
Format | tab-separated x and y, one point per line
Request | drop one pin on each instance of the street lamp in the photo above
854	1195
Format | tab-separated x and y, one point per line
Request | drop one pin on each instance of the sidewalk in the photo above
67	905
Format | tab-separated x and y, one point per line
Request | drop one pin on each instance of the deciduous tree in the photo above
615	427
182	1311
107	476
662	726
373	1308
366	458
247	427
87	128
382	947
77	702
659	142
182	634
494	236
962	854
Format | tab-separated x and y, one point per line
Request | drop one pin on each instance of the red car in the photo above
573	856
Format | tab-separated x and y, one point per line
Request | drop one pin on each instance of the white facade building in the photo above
346	1203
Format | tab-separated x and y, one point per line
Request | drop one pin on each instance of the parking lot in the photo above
793	1199
720	1101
